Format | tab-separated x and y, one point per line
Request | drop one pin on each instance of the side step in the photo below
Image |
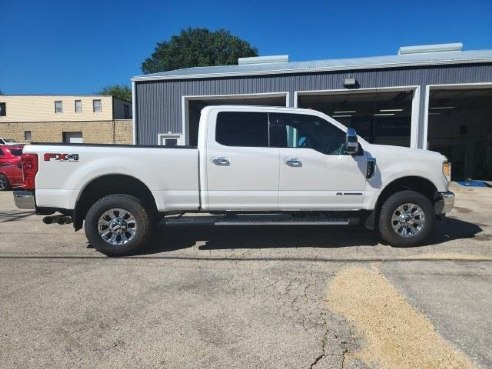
256	220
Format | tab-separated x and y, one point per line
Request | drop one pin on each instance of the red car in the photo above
10	166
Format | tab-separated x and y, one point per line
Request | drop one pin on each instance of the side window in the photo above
306	131
1	152
247	129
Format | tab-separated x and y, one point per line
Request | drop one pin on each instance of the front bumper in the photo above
445	203
24	199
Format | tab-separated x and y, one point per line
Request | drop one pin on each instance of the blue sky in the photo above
80	46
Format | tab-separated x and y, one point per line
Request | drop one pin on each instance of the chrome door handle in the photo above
296	163
224	162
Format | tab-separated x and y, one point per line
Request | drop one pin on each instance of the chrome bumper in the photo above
445	203
24	199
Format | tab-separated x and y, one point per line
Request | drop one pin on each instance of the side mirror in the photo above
351	144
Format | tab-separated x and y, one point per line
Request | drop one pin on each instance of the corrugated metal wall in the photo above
158	103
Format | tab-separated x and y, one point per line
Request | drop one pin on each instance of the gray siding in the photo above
158	103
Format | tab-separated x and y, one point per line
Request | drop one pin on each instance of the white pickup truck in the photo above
252	166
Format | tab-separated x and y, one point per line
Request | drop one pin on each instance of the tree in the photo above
122	92
197	47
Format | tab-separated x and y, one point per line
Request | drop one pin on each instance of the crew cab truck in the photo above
252	166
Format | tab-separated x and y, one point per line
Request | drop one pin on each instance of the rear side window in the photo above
247	129
16	152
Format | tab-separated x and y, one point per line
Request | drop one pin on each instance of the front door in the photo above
241	168
314	171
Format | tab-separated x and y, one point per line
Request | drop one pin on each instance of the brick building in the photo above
47	118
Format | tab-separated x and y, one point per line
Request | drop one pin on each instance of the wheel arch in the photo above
109	185
408	183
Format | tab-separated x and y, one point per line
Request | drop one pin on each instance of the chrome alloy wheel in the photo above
117	227
408	220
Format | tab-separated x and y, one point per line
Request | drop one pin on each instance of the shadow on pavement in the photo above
454	229
12	216
265	237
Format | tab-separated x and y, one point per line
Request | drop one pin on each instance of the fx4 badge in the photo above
61	157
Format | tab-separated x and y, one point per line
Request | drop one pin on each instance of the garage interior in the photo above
196	105
380	117
460	127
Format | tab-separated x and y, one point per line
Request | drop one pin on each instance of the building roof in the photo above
376	62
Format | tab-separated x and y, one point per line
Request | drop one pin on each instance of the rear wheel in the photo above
4	182
406	219
118	225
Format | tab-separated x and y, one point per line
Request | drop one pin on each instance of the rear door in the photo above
241	169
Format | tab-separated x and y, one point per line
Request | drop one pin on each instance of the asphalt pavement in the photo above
248	297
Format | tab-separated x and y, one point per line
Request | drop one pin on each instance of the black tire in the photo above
125	225
4	182
396	227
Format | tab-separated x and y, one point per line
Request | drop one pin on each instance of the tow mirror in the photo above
351	144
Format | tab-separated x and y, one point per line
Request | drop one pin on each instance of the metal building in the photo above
436	97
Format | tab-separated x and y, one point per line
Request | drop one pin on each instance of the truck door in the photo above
241	168
314	171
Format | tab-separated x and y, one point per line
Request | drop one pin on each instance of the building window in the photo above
27	135
97	106
78	106
127	111
58	107
72	137
170	139
3	109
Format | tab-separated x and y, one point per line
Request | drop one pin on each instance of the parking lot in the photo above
251	297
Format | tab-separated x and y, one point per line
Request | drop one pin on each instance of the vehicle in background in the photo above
10	166
9	141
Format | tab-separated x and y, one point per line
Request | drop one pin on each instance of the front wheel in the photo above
406	219
118	225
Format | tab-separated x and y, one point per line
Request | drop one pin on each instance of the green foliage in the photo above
122	92
197	47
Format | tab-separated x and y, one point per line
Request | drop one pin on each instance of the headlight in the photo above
446	169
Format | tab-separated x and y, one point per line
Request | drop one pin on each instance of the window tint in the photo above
242	129
306	131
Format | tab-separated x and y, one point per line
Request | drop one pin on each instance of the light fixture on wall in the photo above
351	82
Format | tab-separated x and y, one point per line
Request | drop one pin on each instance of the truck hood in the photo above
404	153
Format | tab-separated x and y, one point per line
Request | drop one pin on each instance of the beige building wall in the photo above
101	132
34	108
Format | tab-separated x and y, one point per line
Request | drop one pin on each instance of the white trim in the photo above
178	136
452	86
185	126
134	115
414	117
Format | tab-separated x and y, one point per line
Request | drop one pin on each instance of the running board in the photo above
257	220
